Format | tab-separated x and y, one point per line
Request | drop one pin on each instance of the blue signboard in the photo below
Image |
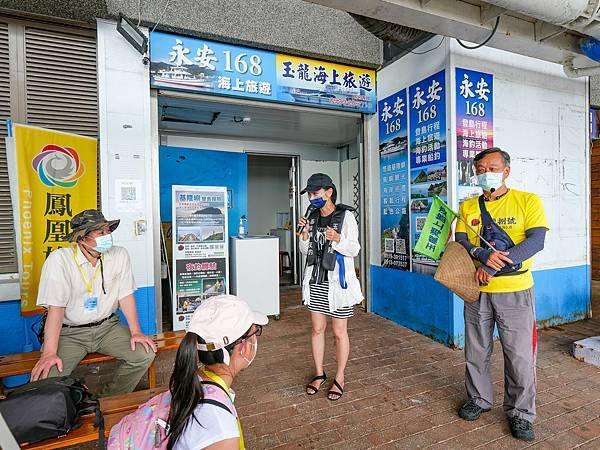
320	83
191	64
474	120
200	65
428	161
394	176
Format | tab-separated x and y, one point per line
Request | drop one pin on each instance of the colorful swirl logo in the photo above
58	166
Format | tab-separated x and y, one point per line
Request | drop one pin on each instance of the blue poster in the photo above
428	160
199	65
474	122
191	64
318	83
394	176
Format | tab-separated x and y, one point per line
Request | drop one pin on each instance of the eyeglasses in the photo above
256	332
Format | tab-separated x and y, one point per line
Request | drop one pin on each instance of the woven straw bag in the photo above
456	271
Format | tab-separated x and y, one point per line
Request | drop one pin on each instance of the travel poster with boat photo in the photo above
394	181
428	159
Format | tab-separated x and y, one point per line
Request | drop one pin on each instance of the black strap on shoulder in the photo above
216	384
489	222
210	401
343	207
485	215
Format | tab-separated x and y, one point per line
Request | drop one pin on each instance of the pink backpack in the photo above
145	429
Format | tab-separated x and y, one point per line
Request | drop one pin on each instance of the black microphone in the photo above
307	214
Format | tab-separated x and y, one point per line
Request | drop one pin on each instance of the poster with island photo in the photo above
200	248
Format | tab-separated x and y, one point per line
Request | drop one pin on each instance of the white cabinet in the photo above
254	272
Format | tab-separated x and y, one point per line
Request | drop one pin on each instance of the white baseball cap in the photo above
223	319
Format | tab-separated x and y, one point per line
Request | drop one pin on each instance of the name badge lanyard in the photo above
217	379
89	285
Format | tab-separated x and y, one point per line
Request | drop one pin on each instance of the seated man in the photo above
82	286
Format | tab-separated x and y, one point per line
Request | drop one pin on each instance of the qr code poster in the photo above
420	223
389	245
400	245
128	194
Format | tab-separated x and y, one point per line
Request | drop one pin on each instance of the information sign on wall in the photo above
191	64
394	178
428	162
200	248
474	124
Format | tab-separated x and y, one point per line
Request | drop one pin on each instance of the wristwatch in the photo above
474	250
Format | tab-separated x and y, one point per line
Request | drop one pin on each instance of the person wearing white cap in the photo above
223	337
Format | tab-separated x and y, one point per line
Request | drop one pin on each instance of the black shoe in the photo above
471	411
521	429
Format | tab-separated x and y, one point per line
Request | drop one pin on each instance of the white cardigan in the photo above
349	247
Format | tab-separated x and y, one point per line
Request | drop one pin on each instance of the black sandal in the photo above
313	389
333	395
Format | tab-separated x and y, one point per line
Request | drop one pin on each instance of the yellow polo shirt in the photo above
515	212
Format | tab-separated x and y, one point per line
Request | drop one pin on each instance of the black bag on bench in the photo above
48	409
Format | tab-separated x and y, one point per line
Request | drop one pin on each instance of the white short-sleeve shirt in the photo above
62	283
214	424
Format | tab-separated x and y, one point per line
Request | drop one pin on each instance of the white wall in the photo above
304	151
126	144
541	120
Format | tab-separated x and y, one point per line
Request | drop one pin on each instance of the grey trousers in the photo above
514	315
109	338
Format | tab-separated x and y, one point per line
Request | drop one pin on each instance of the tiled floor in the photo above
402	390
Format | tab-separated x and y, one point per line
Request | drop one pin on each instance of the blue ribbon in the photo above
342	269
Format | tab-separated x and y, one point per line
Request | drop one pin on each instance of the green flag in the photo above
436	231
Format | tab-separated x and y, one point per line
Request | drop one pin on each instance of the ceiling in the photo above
268	121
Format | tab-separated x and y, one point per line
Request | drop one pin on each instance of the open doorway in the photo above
272	206
263	154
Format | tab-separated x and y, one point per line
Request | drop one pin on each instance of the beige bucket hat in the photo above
457	272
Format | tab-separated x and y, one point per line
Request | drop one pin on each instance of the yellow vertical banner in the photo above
56	179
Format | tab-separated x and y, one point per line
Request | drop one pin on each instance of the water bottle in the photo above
242	227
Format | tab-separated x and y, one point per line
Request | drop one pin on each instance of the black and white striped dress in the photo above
319	302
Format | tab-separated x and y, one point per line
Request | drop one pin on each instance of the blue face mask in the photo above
490	181
318	202
103	243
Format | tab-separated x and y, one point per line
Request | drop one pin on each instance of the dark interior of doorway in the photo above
269	207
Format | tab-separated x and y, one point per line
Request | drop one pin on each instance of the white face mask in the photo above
226	357
255	345
490	181
103	243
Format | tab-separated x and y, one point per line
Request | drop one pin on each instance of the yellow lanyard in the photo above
217	379
89	286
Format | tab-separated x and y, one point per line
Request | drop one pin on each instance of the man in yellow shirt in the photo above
514	223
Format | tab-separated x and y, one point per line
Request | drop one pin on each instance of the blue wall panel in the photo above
15	330
562	295
187	166
413	300
417	302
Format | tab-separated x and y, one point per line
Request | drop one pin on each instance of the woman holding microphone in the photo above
329	239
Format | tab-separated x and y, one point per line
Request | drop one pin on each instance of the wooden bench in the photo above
23	363
113	409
